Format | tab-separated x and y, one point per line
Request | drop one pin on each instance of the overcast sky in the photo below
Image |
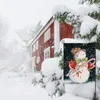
21	13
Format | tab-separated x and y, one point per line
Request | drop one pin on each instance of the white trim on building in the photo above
34	47
41	32
56	36
37	44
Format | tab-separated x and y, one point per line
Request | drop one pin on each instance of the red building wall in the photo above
65	32
42	46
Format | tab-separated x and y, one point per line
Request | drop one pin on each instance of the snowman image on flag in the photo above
80	67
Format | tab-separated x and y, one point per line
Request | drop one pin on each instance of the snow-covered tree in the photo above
4	52
85	19
13	51
3	27
27	33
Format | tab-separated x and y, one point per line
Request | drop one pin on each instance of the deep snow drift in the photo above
15	87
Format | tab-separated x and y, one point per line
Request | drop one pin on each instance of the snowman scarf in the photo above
79	60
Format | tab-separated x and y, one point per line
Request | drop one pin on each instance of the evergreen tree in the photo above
77	20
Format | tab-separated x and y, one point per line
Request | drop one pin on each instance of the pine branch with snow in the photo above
85	20
89	1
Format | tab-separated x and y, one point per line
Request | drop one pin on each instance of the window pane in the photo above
47	54
47	35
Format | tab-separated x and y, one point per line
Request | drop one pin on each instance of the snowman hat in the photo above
75	50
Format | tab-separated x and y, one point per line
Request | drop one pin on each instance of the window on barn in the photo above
47	53
47	35
37	45
34	48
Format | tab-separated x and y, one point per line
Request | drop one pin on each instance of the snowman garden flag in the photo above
79	62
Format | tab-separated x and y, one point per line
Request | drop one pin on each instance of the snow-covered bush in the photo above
82	90
37	78
27	67
50	77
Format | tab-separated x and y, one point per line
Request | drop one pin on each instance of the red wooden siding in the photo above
43	45
66	31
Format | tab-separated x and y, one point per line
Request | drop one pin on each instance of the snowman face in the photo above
80	55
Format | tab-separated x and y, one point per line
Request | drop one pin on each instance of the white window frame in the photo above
33	47
47	50
37	44
47	35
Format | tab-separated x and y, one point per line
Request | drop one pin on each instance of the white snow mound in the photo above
51	66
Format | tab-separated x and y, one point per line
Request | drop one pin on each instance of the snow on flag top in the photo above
79	62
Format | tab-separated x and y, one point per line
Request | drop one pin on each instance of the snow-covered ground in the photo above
15	87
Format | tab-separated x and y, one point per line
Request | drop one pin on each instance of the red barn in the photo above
46	42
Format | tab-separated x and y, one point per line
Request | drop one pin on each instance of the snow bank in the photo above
70	97
51	67
83	90
13	87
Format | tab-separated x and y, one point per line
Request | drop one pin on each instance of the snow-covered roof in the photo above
41	31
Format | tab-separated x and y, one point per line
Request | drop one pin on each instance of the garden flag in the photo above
79	62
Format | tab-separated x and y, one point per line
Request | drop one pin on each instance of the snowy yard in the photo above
15	87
